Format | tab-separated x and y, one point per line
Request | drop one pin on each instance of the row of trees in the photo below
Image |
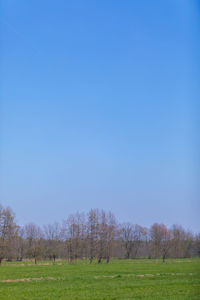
94	236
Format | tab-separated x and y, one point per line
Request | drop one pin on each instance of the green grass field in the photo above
121	279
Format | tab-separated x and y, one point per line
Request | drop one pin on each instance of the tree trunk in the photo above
99	260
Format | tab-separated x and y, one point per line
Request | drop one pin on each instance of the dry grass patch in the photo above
27	279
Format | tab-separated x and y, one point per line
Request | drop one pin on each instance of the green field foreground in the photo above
121	279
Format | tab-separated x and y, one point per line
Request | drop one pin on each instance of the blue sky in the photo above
99	109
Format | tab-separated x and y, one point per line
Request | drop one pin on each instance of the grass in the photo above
121	279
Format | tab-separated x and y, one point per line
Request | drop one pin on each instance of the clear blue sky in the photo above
100	109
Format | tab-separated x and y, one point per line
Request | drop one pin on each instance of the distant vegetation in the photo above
94	236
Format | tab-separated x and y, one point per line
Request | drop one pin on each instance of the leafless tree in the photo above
178	236
52	235
74	230
133	236
166	242
127	234
8	231
139	236
112	234
33	235
197	245
20	244
97	236
181	242
161	240
92	229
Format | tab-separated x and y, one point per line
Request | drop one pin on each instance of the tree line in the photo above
96	236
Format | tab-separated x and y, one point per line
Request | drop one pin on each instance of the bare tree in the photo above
33	235
8	231
156	237
82	235
74	230
68	234
92	228
182	242
161	239
139	236
197	245
112	233
127	234
178	236
133	236
20	244
165	243
102	235
97	237
52	234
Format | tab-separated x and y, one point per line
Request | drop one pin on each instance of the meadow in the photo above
176	279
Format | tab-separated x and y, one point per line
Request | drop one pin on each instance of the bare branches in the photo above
96	236
8	231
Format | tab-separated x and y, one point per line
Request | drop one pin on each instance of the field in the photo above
121	279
